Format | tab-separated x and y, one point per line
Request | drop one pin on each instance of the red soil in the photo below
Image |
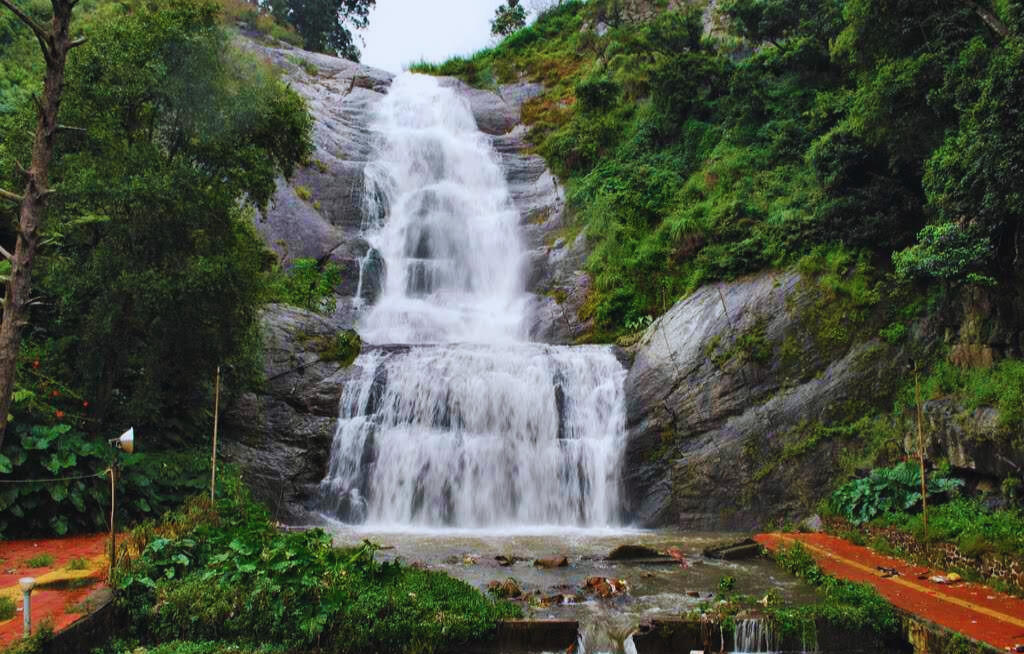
50	604
971	609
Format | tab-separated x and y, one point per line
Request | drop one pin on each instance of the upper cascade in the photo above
438	212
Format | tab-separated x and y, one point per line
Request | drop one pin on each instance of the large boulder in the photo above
281	436
728	395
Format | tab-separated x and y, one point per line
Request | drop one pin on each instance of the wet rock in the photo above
559	599
709	422
605	587
508	589
631	552
281	436
552	562
737	551
508	560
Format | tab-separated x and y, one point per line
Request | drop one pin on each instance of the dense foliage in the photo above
223	573
150	275
887	490
890	126
324	25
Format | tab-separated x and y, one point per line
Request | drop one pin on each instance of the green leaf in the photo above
6	466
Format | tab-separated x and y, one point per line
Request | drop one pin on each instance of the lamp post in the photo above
125	442
27	584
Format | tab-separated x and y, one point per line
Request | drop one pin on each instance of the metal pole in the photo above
216	414
113	523
920	453
27	602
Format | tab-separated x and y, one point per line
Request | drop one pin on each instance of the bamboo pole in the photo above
113	523
216	414
920	452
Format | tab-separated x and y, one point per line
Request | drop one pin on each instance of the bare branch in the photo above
68	128
13	197
21	168
38	29
6	255
77	42
41	34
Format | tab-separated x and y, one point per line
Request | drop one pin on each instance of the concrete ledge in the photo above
91	631
521	636
672	636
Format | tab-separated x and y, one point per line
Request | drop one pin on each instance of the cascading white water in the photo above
456	421
754	636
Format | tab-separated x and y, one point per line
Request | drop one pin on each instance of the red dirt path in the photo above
50	603
971	609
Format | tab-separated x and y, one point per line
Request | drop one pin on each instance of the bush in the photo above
223	573
7	608
307	285
886	490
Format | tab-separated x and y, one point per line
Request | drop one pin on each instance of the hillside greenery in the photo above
892	127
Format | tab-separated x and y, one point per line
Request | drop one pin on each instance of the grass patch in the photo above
80	563
39	561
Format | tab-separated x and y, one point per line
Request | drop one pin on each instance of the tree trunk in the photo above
55	43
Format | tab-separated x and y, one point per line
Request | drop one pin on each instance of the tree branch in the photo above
13	197
77	42
41	34
6	255
990	19
68	128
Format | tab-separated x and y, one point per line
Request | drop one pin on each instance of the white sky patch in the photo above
402	32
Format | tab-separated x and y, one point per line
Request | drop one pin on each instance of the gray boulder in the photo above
723	398
281	436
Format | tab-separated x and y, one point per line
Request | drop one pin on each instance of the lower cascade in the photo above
480	436
456	421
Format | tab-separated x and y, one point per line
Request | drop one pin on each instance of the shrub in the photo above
7	608
886	490
223	573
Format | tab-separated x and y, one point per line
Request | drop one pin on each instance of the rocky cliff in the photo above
730	399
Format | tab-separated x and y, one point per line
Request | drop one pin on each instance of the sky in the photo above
404	31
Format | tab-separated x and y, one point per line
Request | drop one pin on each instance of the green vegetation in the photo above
324	25
1001	387
846	604
223	573
307	285
43	560
78	564
975	528
692	158
887	490
149	274
508	18
8	609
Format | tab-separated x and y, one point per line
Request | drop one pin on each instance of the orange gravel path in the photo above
971	609
50	603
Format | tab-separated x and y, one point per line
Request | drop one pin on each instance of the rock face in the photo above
973	441
319	212
722	400
281	437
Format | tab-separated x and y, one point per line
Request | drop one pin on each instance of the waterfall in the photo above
753	636
456	420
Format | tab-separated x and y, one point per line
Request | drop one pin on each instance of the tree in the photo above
508	18
158	276
324	24
55	43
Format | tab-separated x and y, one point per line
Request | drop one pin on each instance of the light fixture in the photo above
126	441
